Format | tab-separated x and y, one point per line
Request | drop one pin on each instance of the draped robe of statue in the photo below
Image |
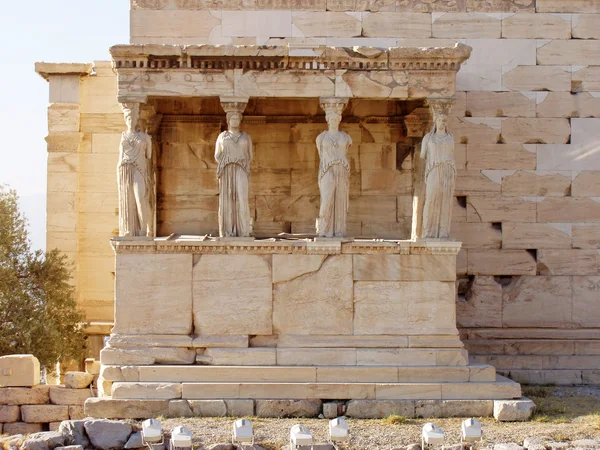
233	153
134	184
334	183
440	178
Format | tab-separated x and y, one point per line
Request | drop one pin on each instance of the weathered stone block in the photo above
536	131
378	311
208	408
240	356
76	412
379	409
536	301
466	25
292	314
496	208
536	235
217	279
481	303
396	24
585	300
180	408
513	410
540	183
149	287
500	104
288	408
37	395
107	434
477	235
501	262
587	79
240	408
566	104
568	262
586	184
537	26
60	395
153	391
51	439
568	209
316	356
572	6
536	78
22	428
586	235
19	370
326	24
125	409
119	356
501	156
569	52
160	27
78	380
404	268
44	413
10	414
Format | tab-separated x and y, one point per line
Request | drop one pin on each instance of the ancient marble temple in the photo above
293	189
333	305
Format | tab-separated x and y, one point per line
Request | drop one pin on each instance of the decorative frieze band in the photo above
267	247
174	119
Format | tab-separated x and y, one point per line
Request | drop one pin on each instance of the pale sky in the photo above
51	31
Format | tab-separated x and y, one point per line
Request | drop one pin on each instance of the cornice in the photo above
291	57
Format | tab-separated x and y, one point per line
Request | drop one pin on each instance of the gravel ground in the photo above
564	414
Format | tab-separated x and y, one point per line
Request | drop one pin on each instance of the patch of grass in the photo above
560	437
538	391
395	419
541	418
268	445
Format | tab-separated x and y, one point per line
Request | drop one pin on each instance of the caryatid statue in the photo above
233	153
134	177
437	149
334	171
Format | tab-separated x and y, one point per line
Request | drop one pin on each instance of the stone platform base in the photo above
360	409
366	391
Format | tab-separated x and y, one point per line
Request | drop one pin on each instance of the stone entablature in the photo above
286	71
198	245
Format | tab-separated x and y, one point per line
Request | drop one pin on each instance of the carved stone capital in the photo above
440	106
334	104
234	104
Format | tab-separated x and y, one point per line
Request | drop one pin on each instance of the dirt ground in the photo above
563	414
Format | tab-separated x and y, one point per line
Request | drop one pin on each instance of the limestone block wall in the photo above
527	127
43	407
527	121
284	191
84	123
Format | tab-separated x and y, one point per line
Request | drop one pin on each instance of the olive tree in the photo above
38	312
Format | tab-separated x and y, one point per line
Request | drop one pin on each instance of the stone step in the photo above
318	374
501	388
351	356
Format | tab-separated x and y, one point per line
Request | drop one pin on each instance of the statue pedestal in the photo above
362	321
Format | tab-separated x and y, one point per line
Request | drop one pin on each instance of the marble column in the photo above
334	171
135	177
233	153
436	175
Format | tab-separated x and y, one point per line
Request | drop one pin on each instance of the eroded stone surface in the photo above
326	294
217	281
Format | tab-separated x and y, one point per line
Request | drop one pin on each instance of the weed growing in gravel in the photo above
395	419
